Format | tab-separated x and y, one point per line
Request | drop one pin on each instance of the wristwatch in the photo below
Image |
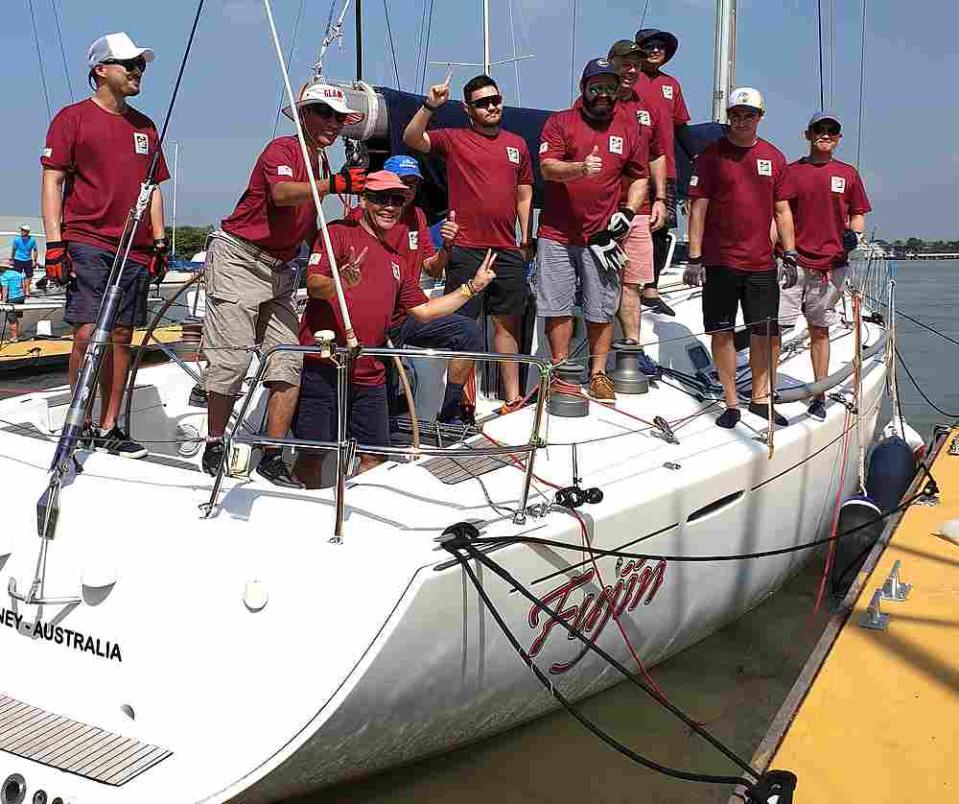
429	107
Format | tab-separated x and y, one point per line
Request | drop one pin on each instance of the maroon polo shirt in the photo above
657	130
385	288
742	185
279	231
574	210
826	195
663	86
106	157
482	174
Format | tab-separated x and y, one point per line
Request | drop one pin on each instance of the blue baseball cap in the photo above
598	67
403	165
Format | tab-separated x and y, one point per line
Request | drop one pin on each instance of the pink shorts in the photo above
638	245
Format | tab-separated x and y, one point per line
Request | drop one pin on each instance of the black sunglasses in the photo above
385	198
651	47
326	112
139	63
485	103
828	129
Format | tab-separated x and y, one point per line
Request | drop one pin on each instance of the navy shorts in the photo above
454	332
25	267
316	411
505	295
91	269
726	288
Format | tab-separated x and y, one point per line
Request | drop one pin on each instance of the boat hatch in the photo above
72	746
465	467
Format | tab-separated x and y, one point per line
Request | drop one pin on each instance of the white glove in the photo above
607	251
693	275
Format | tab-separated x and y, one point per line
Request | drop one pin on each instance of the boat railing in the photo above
871	274
346	447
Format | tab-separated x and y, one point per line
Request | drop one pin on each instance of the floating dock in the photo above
874	716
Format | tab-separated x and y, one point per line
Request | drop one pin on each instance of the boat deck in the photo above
873	716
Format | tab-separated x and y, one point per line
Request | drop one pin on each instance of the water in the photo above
734	681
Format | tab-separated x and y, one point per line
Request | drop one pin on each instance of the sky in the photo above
226	108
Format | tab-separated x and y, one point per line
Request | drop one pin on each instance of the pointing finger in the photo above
449	75
359	260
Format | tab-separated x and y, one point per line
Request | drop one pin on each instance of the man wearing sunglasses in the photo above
250	273
490	185
738	190
96	156
586	153
377	283
829	210
656	48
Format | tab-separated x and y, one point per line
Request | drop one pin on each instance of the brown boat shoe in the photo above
601	388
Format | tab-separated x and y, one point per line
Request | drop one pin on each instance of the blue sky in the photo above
227	103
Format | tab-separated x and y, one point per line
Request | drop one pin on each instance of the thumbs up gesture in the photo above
449	229
593	163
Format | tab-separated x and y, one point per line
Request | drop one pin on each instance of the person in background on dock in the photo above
739	187
490	184
250	275
96	157
655	128
12	291
658	47
585	154
377	285
23	254
829	212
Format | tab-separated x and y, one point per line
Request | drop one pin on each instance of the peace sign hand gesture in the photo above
350	270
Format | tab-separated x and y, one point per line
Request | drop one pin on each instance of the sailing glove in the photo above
788	269
606	250
58	266
850	240
349	181
693	275
159	263
618	225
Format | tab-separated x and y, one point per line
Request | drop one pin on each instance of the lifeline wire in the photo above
63	53
36	42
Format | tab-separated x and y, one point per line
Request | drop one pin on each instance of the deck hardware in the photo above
954	446
892	588
873	618
538	510
672	465
255	595
664	430
841	399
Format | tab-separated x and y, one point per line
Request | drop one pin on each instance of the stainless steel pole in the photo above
724	71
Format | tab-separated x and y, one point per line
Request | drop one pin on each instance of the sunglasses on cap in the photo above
326	112
829	129
487	102
139	63
385	198
602	89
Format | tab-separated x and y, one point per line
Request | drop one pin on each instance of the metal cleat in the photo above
894	589
954	446
874	619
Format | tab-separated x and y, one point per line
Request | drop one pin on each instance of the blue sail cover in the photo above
527	123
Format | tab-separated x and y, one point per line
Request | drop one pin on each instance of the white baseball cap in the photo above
746	96
25	227
116	46
334	97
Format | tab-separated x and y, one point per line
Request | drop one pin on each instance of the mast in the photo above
486	59
724	72
359	40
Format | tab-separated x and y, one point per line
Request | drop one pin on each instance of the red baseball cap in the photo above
380	180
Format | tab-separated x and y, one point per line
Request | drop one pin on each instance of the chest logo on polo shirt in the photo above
315	258
48	152
512	154
838	184
694	180
141	143
396	270
543	147
667	92
643	118
414	240
284	170
764	167
615	145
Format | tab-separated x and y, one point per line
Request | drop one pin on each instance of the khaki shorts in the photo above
815	296
638	245
249	301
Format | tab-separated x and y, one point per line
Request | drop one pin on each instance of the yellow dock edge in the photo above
46	351
844	738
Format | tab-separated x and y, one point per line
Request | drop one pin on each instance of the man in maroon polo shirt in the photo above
377	283
250	277
96	157
490	183
739	187
829	211
585	153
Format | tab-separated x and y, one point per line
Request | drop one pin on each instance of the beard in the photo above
598	110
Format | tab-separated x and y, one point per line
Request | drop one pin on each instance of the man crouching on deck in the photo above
376	284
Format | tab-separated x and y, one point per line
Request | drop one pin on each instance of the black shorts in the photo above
25	267
316	418
91	269
505	295
727	288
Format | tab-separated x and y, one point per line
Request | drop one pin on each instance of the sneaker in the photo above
817	409
657	305
197	397
648	366
117	442
761	410
212	456
601	388
274	468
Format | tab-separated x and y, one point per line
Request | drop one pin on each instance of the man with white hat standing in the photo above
96	157
739	187
250	278
23	255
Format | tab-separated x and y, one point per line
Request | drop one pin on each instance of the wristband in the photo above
464	289
429	107
472	287
694	260
659	198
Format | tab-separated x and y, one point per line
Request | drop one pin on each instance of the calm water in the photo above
735	681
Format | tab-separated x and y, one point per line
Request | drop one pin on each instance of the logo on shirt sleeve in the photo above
48	152
838	184
543	147
667	92
315	258
615	145
643	118
513	154
284	170
396	270
694	180
141	143
764	167
414	240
